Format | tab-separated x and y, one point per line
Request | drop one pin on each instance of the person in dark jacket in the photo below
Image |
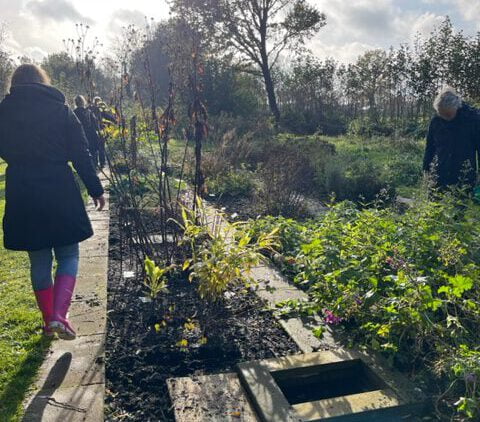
44	210
90	126
99	110
453	142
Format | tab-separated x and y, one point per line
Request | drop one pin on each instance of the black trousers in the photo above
101	153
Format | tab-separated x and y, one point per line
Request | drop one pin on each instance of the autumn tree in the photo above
258	32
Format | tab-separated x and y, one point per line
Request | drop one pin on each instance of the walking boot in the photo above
45	304
63	292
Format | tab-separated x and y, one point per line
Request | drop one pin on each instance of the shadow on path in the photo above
36	408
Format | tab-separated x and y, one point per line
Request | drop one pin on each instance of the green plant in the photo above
405	284
223	254
368	127
359	180
155	278
465	367
232	184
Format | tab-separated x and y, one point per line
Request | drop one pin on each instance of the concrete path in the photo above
71	382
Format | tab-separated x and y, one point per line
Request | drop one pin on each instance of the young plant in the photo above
155	278
223	254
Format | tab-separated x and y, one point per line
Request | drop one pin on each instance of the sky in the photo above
37	27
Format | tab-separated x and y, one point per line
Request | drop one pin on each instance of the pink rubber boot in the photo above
45	304
63	291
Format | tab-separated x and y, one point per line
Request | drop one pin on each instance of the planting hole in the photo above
319	382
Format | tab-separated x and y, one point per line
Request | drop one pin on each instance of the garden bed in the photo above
402	284
182	336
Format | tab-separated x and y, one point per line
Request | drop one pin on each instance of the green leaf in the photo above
318	332
186	264
460	284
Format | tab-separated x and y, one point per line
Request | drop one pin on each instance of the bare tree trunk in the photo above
270	88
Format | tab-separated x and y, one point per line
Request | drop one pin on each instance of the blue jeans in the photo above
41	264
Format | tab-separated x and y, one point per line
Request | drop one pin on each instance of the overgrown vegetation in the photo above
404	284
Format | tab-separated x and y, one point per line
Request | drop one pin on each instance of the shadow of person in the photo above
35	409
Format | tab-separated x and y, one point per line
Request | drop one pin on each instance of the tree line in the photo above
243	46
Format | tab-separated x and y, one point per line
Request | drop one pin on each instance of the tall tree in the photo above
258	31
6	64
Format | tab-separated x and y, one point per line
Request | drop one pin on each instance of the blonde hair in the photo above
29	74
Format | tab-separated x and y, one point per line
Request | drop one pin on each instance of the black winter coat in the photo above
39	135
89	123
454	144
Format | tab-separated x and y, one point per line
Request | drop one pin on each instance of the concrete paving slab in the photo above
267	383
79	362
76	404
213	398
340	406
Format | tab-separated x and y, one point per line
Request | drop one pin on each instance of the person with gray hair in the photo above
80	101
453	141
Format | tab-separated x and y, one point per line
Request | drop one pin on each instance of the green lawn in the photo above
22	347
398	160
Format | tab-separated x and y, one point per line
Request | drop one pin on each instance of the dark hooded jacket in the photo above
452	148
89	123
39	136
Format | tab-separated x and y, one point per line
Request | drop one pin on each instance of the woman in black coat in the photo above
44	210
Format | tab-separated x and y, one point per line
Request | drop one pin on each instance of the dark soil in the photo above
176	335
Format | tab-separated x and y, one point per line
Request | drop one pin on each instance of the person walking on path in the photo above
99	110
90	126
44	212
453	142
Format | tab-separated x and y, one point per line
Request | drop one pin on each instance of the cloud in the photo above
369	17
56	10
347	52
425	24
121	18
357	26
35	53
470	10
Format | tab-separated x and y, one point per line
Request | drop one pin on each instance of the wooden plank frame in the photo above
392	399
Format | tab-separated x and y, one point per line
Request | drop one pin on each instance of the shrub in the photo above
296	121
414	129
291	169
232	184
303	122
404	170
357	181
366	127
223	254
229	152
285	178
